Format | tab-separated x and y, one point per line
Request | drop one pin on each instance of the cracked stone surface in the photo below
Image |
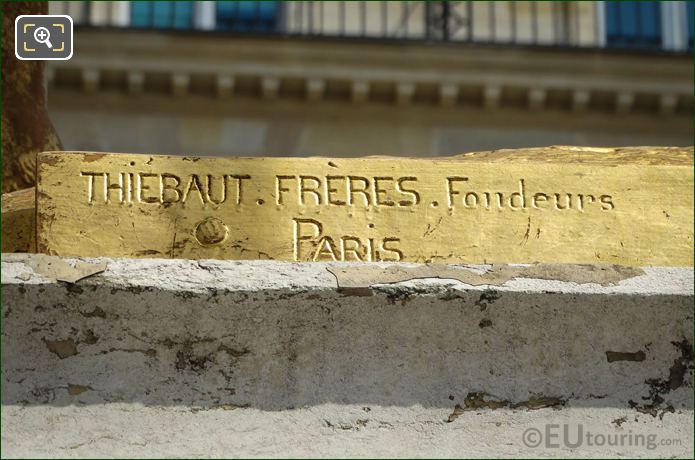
224	358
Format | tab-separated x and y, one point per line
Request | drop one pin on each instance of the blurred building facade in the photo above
366	78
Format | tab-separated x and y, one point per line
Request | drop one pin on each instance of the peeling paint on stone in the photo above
74	390
62	348
613	356
659	387
278	344
357	278
56	268
480	400
276	335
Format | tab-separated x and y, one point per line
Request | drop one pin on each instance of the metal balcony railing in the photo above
640	25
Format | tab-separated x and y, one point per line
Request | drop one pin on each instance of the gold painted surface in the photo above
19	221
630	206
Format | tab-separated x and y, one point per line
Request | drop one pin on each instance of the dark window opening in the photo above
247	16
633	24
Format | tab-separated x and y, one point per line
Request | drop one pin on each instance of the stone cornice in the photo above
489	78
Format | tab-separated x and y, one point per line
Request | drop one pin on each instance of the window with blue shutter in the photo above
166	15
244	16
247	16
633	24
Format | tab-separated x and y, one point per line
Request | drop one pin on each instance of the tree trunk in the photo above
26	127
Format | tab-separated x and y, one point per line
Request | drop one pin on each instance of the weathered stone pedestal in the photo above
224	358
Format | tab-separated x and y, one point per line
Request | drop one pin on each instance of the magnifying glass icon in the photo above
42	35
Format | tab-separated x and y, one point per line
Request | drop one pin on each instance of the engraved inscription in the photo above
604	206
336	190
460	195
164	188
331	190
310	240
311	243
